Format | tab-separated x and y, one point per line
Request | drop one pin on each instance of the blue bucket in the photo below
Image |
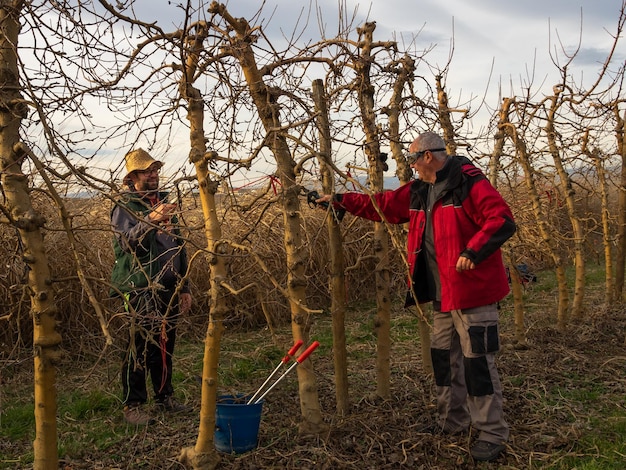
236	424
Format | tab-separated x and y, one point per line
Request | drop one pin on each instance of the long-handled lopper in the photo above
307	352
284	360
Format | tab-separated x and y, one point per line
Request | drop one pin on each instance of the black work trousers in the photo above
150	347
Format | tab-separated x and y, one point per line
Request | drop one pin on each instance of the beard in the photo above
148	185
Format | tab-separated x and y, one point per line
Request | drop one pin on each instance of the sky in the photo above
498	47
512	36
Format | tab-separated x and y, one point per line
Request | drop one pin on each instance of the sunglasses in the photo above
414	156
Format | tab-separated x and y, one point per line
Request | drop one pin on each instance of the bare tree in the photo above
365	95
19	212
565	94
495	165
568	194
204	455
337	266
265	99
151	78
523	156
595	156
620	135
404	71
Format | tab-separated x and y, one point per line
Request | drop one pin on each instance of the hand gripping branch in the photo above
311	199
307	352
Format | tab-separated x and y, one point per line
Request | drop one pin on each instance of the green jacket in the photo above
134	269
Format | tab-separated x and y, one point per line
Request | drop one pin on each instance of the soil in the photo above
545	407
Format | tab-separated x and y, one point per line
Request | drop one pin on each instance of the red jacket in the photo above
469	216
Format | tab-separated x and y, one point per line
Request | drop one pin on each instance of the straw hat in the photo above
139	159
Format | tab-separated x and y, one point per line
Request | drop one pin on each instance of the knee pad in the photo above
477	376
441	366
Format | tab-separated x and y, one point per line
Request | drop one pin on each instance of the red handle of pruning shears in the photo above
307	352
301	358
292	351
283	361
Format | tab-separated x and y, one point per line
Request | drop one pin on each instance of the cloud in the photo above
512	33
592	56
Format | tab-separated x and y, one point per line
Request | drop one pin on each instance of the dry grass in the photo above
560	392
258	228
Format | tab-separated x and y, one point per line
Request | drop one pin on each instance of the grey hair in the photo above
432	140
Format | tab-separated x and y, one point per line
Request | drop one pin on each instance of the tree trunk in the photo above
509	259
518	301
382	323
620	134
522	155
337	263
567	192
28	222
445	121
593	154
405	70
405	74
265	103
204	455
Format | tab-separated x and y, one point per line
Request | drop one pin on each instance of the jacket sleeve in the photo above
392	205
491	213
131	231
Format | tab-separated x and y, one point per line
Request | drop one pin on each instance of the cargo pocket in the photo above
484	339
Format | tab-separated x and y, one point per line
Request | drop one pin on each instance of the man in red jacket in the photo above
457	223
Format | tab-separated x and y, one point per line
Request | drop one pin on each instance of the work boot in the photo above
134	414
486	451
171	405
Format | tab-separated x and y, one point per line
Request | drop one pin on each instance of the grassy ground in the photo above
565	399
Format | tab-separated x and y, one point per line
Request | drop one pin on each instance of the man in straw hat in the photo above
149	273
